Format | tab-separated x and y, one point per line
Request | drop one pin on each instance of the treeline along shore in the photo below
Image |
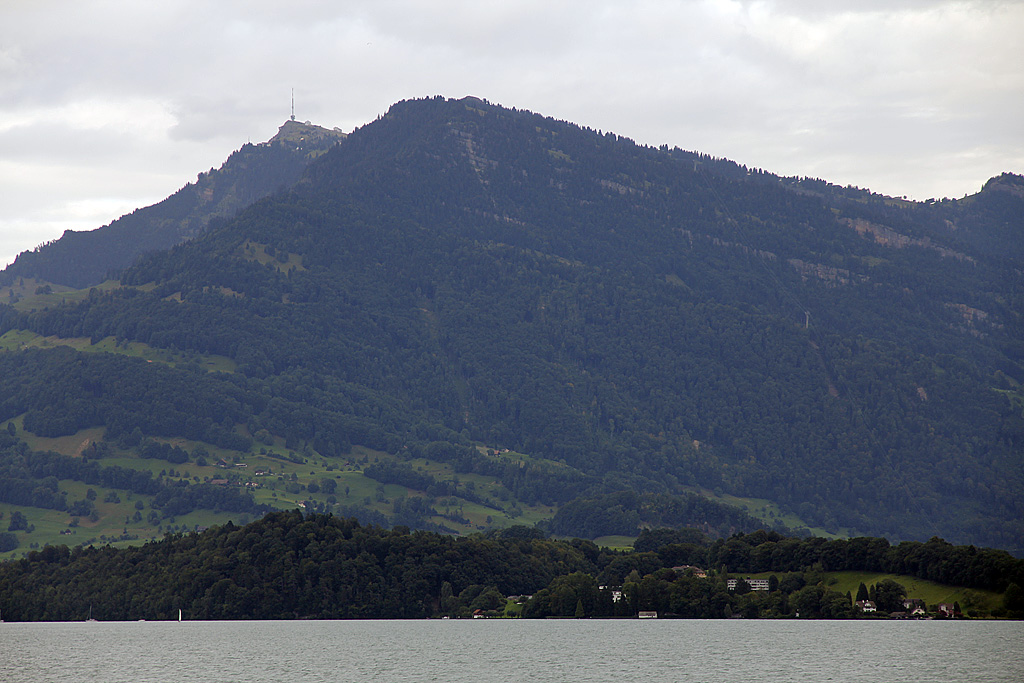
288	565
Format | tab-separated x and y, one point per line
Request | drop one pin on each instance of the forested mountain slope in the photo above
649	320
81	259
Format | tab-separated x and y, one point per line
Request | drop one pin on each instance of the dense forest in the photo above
644	321
292	566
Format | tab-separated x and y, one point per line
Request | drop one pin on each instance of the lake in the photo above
481	651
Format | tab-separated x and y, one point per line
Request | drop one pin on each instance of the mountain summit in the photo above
488	307
81	259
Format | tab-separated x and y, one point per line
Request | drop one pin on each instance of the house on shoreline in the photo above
867	606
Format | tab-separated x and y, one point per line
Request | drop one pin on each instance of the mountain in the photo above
81	259
489	313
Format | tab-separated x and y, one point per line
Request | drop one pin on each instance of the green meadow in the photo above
16	340
275	475
970	599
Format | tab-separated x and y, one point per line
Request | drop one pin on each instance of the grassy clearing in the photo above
276	476
354	488
1014	396
280	477
48	525
770	513
932	593
513	610
109	526
283	262
29	294
616	542
16	340
72	445
871	261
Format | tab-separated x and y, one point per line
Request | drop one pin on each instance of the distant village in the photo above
913	608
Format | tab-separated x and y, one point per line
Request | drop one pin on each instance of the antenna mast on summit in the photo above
293	104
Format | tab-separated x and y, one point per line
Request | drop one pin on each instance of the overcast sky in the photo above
106	106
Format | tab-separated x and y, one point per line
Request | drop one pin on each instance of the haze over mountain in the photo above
456	278
80	259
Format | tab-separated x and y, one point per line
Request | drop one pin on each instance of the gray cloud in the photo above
105	106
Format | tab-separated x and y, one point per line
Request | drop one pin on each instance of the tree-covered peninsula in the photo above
293	566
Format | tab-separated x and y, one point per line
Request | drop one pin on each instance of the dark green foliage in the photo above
81	508
18	521
651	539
820	602
284	566
8	541
1013	601
889	595
520	532
61	392
163	451
178	500
399	473
622	514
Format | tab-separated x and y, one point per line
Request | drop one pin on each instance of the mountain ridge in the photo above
84	258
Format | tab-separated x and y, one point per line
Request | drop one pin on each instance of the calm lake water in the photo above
483	651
